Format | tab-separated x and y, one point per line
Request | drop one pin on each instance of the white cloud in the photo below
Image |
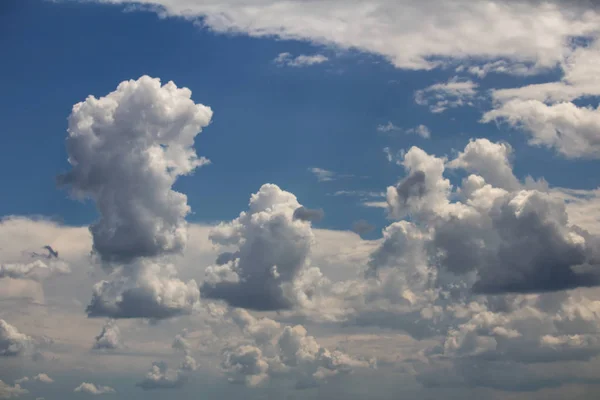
270	260
441	96
287	59
130	179
277	351
44	378
93	389
572	131
9	392
13	342
420	130
109	338
410	33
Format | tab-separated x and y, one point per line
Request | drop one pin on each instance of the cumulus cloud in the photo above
410	34
287	59
93	389
441	96
13	342
276	351
9	392
109	338
126	151
268	270
144	289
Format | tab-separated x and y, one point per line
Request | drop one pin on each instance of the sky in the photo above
300	199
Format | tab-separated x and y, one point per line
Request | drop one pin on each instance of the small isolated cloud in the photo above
44	378
306	214
91	388
452	94
10	392
109	338
420	130
362	227
325	175
288	60
161	376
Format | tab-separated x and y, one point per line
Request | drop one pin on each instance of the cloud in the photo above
266	271
13	342
9	392
144	290
44	378
411	34
323	175
571	130
492	161
452	94
161	377
126	151
277	351
91	388
130	179
420	130
306	214
286	59
109	338
37	270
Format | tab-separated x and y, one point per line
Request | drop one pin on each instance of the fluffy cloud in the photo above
286	59
93	389
144	290
13	342
126	150
571	130
268	270
441	96
109	338
286	352
9	392
411	34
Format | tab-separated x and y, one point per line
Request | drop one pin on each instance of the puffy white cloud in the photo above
144	289
492	161
266	271
441	96
109	338
13	342
282	352
571	130
303	60
93	389
410	33
9	392
126	150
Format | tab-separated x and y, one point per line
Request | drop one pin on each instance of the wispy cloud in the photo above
441	96
420	130
325	175
303	60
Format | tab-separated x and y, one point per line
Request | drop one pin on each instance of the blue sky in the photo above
475	280
271	122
